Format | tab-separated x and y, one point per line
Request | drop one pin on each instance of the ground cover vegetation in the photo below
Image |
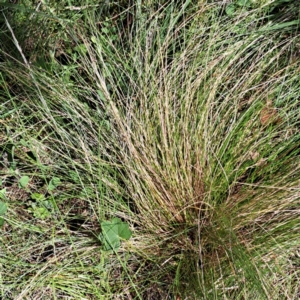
149	149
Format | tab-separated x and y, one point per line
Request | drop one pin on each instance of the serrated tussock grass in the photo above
188	129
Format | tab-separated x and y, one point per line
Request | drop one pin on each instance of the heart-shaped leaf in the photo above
112	232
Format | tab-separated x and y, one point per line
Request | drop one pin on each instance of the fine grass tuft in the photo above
180	120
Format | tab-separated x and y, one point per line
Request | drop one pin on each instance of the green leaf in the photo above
81	48
105	30
41	212
112	232
3	209
53	184
110	236
74	176
230	9
37	197
124	231
285	25
2	194
111	241
244	3
47	204
101	95
23	182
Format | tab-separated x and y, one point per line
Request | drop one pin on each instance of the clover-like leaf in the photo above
112	232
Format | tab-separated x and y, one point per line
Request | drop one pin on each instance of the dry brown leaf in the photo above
269	115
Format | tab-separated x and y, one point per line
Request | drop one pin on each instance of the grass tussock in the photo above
184	123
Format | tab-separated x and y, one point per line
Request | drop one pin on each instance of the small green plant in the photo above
53	184
113	232
232	8
42	207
